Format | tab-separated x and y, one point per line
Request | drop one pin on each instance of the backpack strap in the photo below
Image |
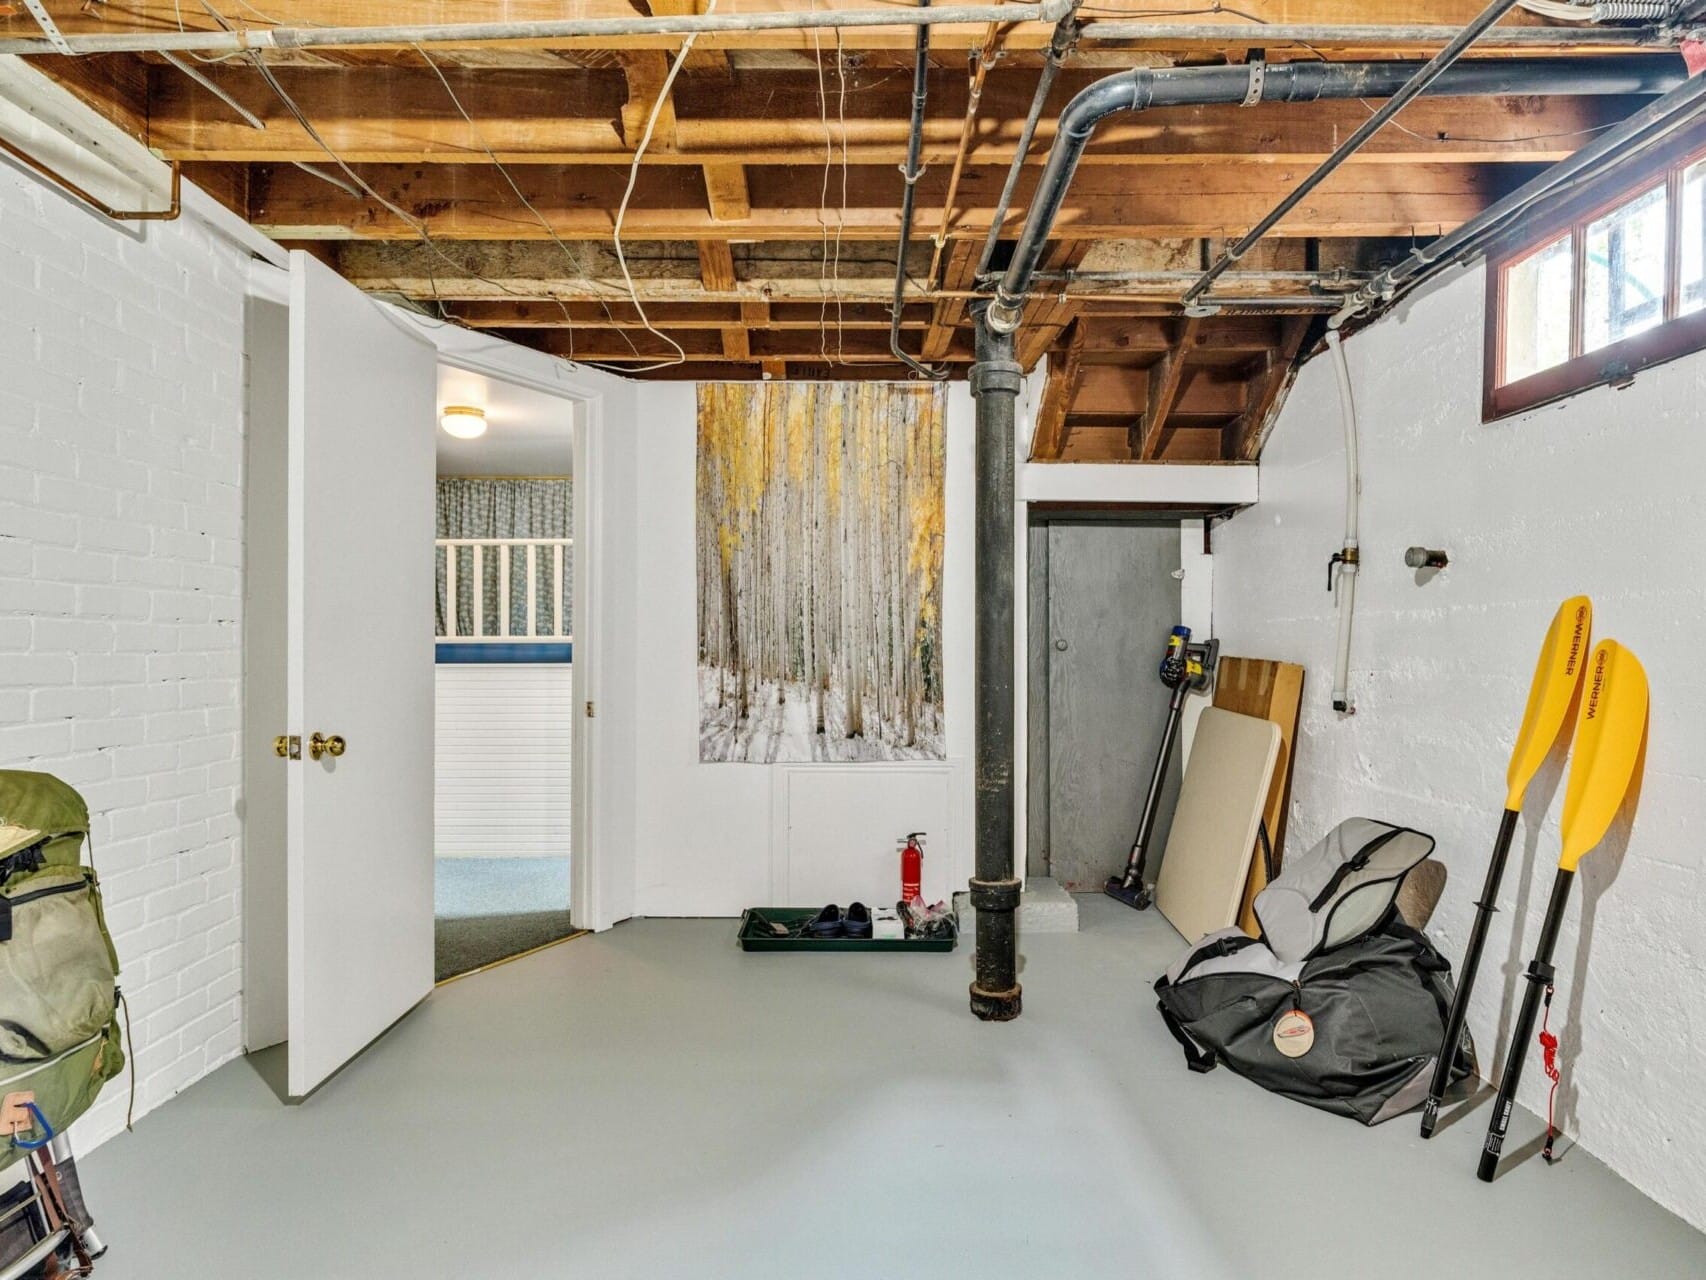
1196	1058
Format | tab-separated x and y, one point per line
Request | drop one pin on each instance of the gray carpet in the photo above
488	909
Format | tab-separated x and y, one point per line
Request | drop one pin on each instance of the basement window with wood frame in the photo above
1612	285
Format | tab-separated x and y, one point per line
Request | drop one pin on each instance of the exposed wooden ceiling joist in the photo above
462	202
404	115
747	268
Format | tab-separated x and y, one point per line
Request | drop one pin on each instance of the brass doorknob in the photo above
320	745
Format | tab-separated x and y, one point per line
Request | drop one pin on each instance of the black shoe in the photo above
828	923
857	922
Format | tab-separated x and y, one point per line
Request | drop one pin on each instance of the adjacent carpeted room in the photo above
489	909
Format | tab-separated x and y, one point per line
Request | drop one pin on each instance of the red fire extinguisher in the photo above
912	868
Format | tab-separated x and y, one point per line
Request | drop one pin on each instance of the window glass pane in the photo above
1693	246
1623	288
1537	310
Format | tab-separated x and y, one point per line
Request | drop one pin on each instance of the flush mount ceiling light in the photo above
464	421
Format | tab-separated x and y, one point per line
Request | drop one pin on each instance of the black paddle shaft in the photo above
1484	910
1539	977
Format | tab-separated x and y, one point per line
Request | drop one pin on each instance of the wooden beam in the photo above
377	114
1250	432
629	345
162	15
671	271
958	276
646	73
1065	367
464	202
777	369
1164	383
726	193
716	266
618	314
1113	392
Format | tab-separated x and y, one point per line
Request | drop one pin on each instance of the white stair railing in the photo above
531	553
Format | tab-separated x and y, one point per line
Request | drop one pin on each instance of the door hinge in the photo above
287	745
589	710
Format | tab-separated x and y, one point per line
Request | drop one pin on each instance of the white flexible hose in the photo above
1347	583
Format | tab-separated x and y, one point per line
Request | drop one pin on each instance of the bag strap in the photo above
57	1210
1196	1058
1356	862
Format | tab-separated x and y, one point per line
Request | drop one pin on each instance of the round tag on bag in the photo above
1294	1033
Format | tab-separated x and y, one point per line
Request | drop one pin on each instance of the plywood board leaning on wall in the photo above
1271	691
1214	828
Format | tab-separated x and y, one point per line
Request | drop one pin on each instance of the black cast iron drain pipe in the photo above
1144	88
996	380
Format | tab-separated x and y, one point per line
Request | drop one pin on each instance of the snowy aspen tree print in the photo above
820	571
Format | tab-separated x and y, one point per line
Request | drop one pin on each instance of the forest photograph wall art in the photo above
820	528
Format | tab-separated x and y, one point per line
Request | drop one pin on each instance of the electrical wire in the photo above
823	197
841	212
628	194
578	264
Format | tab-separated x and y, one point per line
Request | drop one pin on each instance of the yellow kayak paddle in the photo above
1611	728
1557	679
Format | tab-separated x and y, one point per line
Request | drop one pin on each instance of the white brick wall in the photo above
1598	494
121	560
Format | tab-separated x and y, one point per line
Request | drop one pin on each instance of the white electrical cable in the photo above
1347	581
627	195
503	170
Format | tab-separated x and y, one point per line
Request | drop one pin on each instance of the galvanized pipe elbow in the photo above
1127	91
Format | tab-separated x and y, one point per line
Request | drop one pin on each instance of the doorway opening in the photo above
503	677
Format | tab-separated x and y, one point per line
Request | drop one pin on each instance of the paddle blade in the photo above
1557	676
1609	731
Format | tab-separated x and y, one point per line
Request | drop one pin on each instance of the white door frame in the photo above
494	357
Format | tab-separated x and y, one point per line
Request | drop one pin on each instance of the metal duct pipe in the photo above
261	39
995	383
1649	126
1059	48
1412	89
909	193
1143	88
1270	35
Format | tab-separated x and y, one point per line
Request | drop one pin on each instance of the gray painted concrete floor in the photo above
653	1103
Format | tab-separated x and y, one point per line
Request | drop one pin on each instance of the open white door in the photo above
359	857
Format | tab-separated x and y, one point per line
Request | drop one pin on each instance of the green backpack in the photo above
59	1035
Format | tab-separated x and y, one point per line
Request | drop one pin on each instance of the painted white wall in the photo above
504	733
121	562
703	833
1597	494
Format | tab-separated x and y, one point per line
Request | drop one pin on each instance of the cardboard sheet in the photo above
1214	828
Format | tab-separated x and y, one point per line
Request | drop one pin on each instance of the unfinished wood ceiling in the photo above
483	182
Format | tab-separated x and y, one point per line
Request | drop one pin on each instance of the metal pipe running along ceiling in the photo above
561	29
1144	88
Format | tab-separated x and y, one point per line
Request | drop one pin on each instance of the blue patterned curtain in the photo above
504	508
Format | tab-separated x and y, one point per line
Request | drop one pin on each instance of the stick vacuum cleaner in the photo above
1186	667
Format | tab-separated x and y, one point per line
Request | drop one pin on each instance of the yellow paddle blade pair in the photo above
1610	730
1557	676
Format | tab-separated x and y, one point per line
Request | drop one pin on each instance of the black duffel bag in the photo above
1354	1030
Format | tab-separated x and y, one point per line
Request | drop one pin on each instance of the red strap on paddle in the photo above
1549	1056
